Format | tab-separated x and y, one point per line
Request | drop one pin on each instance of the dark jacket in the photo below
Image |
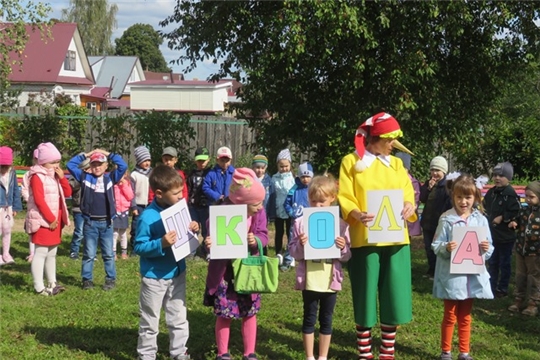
75	194
433	209
528	240
196	196
501	201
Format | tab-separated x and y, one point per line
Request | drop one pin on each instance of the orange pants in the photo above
460	311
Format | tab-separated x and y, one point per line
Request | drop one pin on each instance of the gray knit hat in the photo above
439	163
534	187
141	154
504	169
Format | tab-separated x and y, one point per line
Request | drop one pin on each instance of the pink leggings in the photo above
249	334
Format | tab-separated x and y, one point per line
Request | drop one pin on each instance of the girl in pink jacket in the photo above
46	216
319	280
123	195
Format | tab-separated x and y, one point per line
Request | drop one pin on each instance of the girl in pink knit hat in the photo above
46	216
10	201
220	294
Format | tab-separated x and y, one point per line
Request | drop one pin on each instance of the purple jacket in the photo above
414	227
222	268
297	251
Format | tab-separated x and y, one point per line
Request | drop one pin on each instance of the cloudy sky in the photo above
151	12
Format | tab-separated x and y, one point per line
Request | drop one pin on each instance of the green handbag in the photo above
256	273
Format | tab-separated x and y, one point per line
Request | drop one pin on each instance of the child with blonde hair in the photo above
319	280
459	290
46	216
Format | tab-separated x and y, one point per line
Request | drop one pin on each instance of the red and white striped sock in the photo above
388	340
363	342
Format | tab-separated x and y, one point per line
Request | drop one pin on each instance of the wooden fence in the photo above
211	131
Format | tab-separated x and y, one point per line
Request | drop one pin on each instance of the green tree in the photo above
14	16
320	68
96	21
143	41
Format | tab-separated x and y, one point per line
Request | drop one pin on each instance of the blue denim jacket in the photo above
13	196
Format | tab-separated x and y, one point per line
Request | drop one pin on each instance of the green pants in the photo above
381	273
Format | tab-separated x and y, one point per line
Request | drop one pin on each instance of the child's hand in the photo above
53	225
497	220
208	242
135	212
432	182
59	172
168	239
451	246
194	226
408	210
303	239
251	239
340	242
512	225
484	246
14	213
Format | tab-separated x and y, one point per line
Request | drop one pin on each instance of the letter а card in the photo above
228	229
467	258
321	225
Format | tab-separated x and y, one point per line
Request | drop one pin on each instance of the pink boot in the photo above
6	241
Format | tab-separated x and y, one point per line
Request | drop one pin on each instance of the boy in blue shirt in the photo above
163	282
98	209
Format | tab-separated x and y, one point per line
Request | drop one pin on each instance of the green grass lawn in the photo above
96	324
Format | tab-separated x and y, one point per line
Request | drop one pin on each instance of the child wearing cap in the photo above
501	204
78	219
434	195
141	187
528	252
297	199
169	157
259	164
218	180
197	201
99	209
220	294
46	216
10	201
282	182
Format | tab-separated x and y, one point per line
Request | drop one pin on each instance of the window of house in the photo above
91	105
69	61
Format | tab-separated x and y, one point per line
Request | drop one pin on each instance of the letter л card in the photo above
321	225
467	258
387	225
228	229
177	218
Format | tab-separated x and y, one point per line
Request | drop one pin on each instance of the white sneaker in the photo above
280	258
293	262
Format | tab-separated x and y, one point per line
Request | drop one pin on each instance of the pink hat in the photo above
48	153
36	153
6	155
246	188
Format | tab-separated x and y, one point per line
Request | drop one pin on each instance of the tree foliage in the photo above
96	21
14	16
143	41
320	68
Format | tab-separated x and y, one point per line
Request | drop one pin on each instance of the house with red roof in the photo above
52	62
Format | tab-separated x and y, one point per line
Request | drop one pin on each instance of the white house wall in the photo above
178	99
134	77
45	92
79	71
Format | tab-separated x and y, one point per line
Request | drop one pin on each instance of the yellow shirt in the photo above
319	275
353	187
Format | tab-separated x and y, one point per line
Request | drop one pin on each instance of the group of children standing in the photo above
103	201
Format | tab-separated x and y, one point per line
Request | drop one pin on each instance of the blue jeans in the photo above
501	262
78	221
98	232
200	215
